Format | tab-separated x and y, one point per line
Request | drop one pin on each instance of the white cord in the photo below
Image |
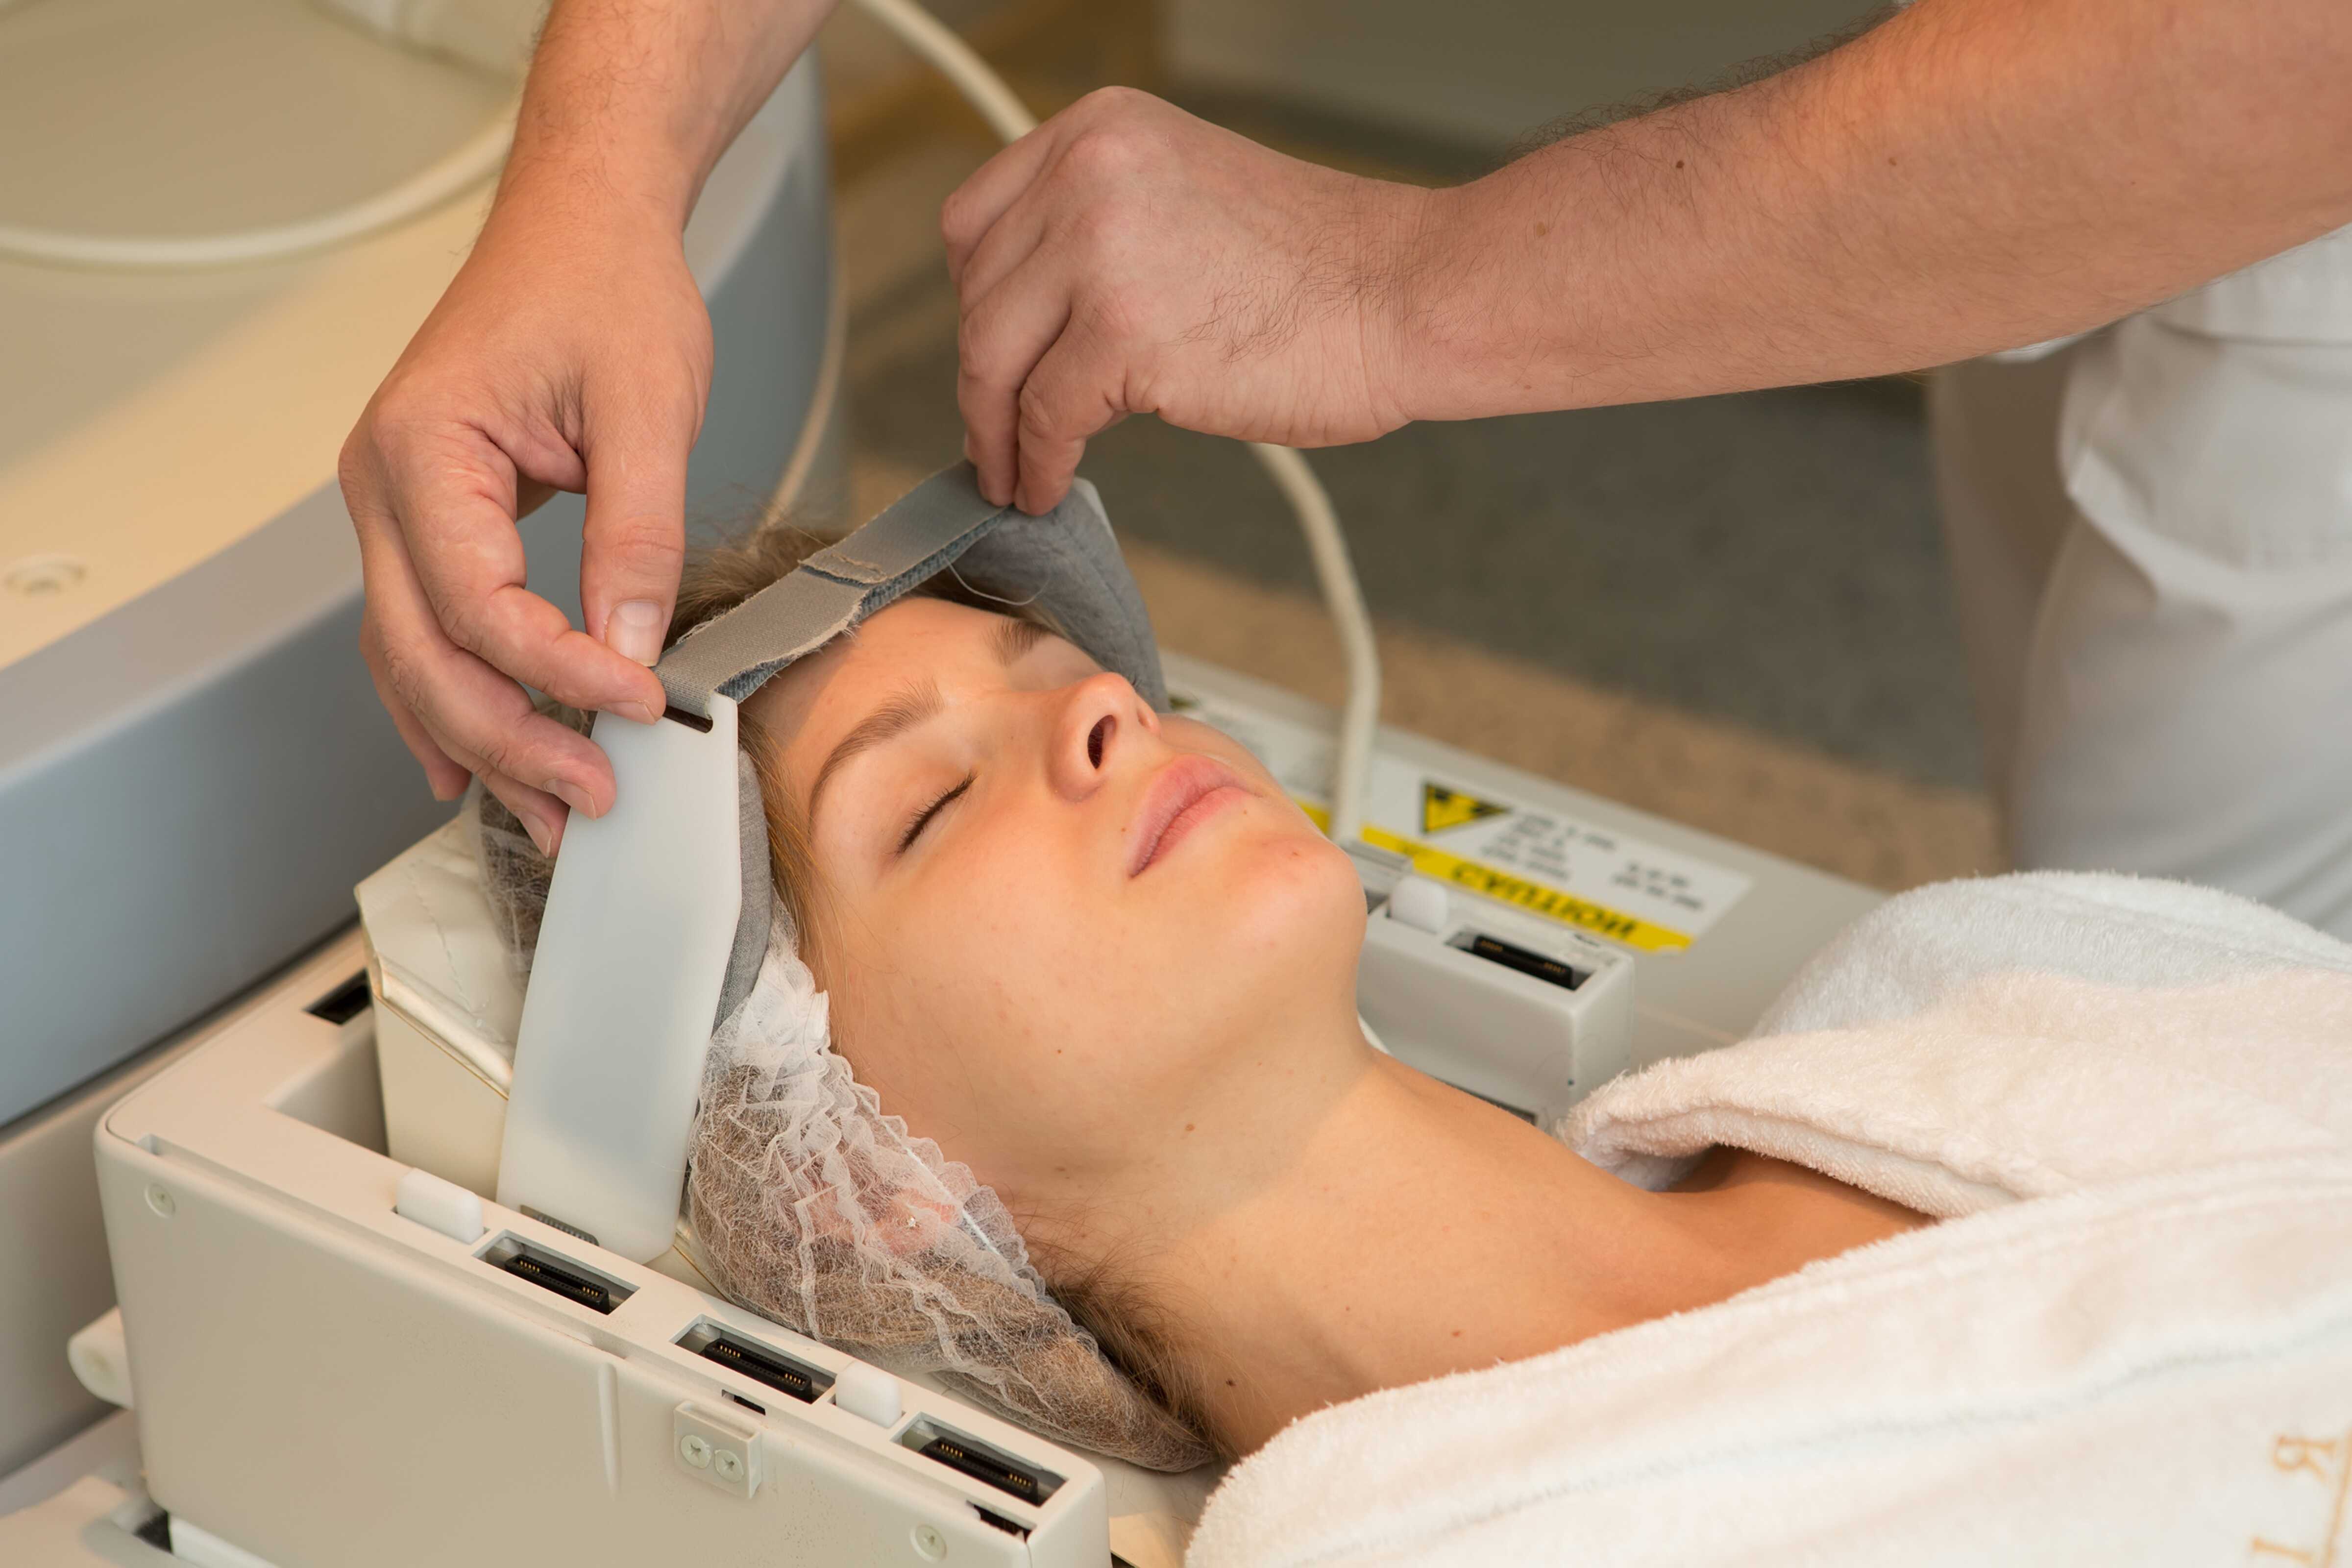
478	160
1359	719
954	60
491	36
1317	521
819	420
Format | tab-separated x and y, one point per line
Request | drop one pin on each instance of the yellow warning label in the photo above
1441	809
1533	897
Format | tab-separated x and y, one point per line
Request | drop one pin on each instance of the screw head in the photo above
929	1544
726	1464
695	1450
160	1199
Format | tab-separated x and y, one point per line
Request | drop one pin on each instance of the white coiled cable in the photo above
494	37
1317	521
478	160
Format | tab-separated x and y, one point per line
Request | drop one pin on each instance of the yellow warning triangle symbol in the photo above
1441	809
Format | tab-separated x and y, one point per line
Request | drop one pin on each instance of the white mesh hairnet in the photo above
815	1209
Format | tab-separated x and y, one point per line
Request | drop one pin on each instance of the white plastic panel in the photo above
1532	1043
304	1354
624	989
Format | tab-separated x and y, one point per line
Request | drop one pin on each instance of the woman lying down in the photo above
2024	1233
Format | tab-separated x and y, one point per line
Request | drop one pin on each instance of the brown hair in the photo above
714	582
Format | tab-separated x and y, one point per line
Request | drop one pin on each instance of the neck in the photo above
1395	1231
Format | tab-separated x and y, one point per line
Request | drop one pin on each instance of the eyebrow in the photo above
1014	639
909	708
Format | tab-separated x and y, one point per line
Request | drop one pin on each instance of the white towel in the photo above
1977	1042
2148	1363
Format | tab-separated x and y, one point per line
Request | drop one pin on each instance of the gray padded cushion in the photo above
759	891
1068	562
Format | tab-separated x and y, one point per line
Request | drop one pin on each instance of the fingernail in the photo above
540	833
572	795
634	630
637	711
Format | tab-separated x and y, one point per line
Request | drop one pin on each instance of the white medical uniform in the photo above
2151	534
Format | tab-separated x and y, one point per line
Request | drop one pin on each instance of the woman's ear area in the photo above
792	860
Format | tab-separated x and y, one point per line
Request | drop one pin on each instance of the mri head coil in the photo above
656	918
808	1203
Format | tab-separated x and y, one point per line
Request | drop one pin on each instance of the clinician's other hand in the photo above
1125	258
563	357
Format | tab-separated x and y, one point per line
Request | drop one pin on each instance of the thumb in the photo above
634	541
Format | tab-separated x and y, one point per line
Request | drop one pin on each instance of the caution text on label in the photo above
1533	897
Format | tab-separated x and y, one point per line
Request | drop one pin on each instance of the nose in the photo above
1099	720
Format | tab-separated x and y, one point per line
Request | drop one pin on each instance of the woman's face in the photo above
1052	921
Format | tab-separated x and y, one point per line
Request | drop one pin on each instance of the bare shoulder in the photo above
1786	1215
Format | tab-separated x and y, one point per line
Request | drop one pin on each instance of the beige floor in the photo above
1861	822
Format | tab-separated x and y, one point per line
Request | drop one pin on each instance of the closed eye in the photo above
923	818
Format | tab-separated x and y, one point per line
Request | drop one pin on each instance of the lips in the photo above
1186	792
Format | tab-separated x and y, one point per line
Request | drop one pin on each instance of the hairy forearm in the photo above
630	102
1973	175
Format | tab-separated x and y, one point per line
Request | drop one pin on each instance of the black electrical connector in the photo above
557	1275
996	1520
549	1276
762	1366
983	1465
1527	961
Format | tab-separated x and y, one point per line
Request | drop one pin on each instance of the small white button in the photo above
867	1391
440	1205
1421	904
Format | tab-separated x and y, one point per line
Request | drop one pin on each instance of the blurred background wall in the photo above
1477	73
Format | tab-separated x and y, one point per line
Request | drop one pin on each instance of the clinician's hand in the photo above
564	356
1125	258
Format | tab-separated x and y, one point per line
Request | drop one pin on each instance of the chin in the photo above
1292	906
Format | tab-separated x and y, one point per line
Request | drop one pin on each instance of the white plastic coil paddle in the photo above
651	891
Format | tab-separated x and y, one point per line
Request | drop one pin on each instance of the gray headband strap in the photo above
917	537
1066	564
